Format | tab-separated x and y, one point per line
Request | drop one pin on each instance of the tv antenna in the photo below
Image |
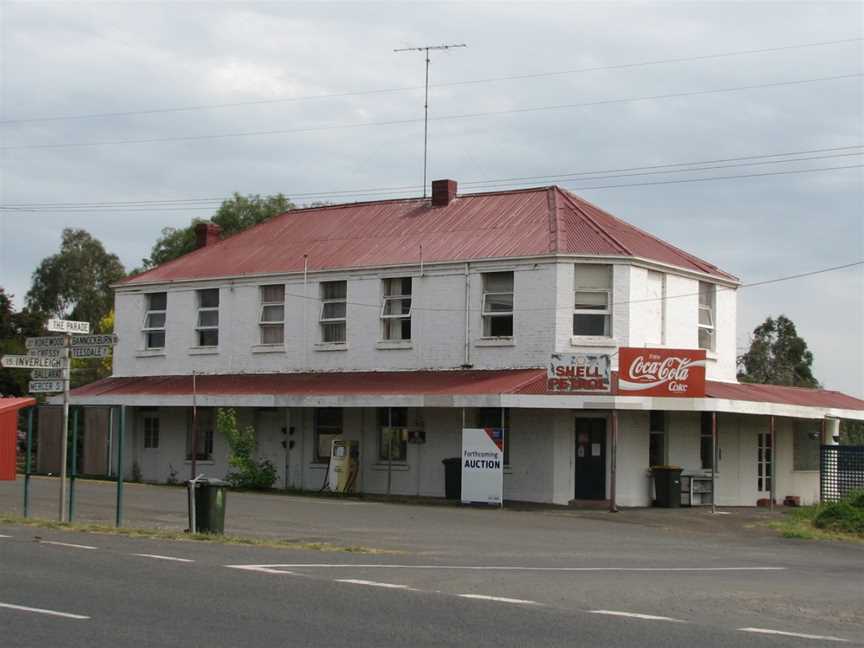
427	49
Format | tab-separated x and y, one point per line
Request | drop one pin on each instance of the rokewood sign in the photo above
661	372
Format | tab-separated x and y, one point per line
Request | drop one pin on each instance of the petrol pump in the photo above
344	465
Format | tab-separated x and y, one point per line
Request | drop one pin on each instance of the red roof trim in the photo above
12	404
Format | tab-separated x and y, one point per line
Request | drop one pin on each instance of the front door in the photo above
590	458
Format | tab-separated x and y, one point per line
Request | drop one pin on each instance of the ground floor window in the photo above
763	463
493	417
805	445
328	426
706	441
657	439
392	424
203	420
151	431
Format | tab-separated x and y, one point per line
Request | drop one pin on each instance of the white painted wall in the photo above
542	324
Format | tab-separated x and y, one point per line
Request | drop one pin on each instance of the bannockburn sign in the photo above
661	372
578	372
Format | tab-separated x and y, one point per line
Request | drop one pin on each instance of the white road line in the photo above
792	634
500	599
276	567
267	569
355	581
4	536
24	608
158	557
636	615
66	544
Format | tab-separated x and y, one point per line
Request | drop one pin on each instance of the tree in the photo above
249	473
852	433
14	328
777	356
234	215
76	282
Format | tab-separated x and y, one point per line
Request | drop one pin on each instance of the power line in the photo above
754	284
396	122
340	95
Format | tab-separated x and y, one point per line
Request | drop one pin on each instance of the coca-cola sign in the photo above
661	372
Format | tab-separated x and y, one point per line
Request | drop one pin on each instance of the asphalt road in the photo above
592	594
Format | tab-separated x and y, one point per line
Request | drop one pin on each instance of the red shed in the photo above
9	433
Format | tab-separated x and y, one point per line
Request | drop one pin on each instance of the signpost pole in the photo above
64	430
27	462
613	465
118	522
713	462
194	465
73	465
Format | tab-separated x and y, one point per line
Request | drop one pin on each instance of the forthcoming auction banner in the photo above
661	372
482	465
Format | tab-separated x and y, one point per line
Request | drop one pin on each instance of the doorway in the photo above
590	462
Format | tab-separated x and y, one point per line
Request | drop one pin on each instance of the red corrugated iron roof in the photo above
426	383
367	383
526	222
10	404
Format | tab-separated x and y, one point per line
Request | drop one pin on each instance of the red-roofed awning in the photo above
476	388
14	404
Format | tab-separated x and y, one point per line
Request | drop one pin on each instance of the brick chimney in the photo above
443	191
207	234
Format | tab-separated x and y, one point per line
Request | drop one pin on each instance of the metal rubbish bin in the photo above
452	478
667	486
206	505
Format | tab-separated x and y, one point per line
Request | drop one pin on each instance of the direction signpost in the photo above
49	357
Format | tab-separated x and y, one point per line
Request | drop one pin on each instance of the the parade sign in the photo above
482	465
661	372
579	373
67	326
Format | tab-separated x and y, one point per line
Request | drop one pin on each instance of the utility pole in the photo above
426	49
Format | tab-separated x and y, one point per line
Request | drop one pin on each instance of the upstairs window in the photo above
592	305
396	309
707	299
497	307
271	319
154	320
207	326
333	312
328	426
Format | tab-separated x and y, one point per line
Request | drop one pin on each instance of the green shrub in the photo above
856	499
840	516
248	473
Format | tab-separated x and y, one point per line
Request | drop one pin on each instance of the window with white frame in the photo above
592	305
805	445
497	307
207	322
707	300
203	420
271	319
396	309
392	445
328	426
151	431
334	296
154	320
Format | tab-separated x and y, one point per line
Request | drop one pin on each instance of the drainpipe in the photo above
467	363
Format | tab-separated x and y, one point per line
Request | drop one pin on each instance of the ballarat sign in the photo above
578	372
661	372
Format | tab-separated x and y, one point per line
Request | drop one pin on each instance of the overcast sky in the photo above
79	58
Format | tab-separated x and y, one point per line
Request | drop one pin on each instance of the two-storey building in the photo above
344	321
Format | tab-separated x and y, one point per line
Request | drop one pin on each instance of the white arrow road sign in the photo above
47	374
68	326
52	341
47	353
91	351
44	386
94	340
31	362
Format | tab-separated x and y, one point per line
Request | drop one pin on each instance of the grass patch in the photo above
843	521
181	536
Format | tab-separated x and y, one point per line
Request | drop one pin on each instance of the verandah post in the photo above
613	465
118	522
28	462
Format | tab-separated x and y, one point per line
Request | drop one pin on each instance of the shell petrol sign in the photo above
661	372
